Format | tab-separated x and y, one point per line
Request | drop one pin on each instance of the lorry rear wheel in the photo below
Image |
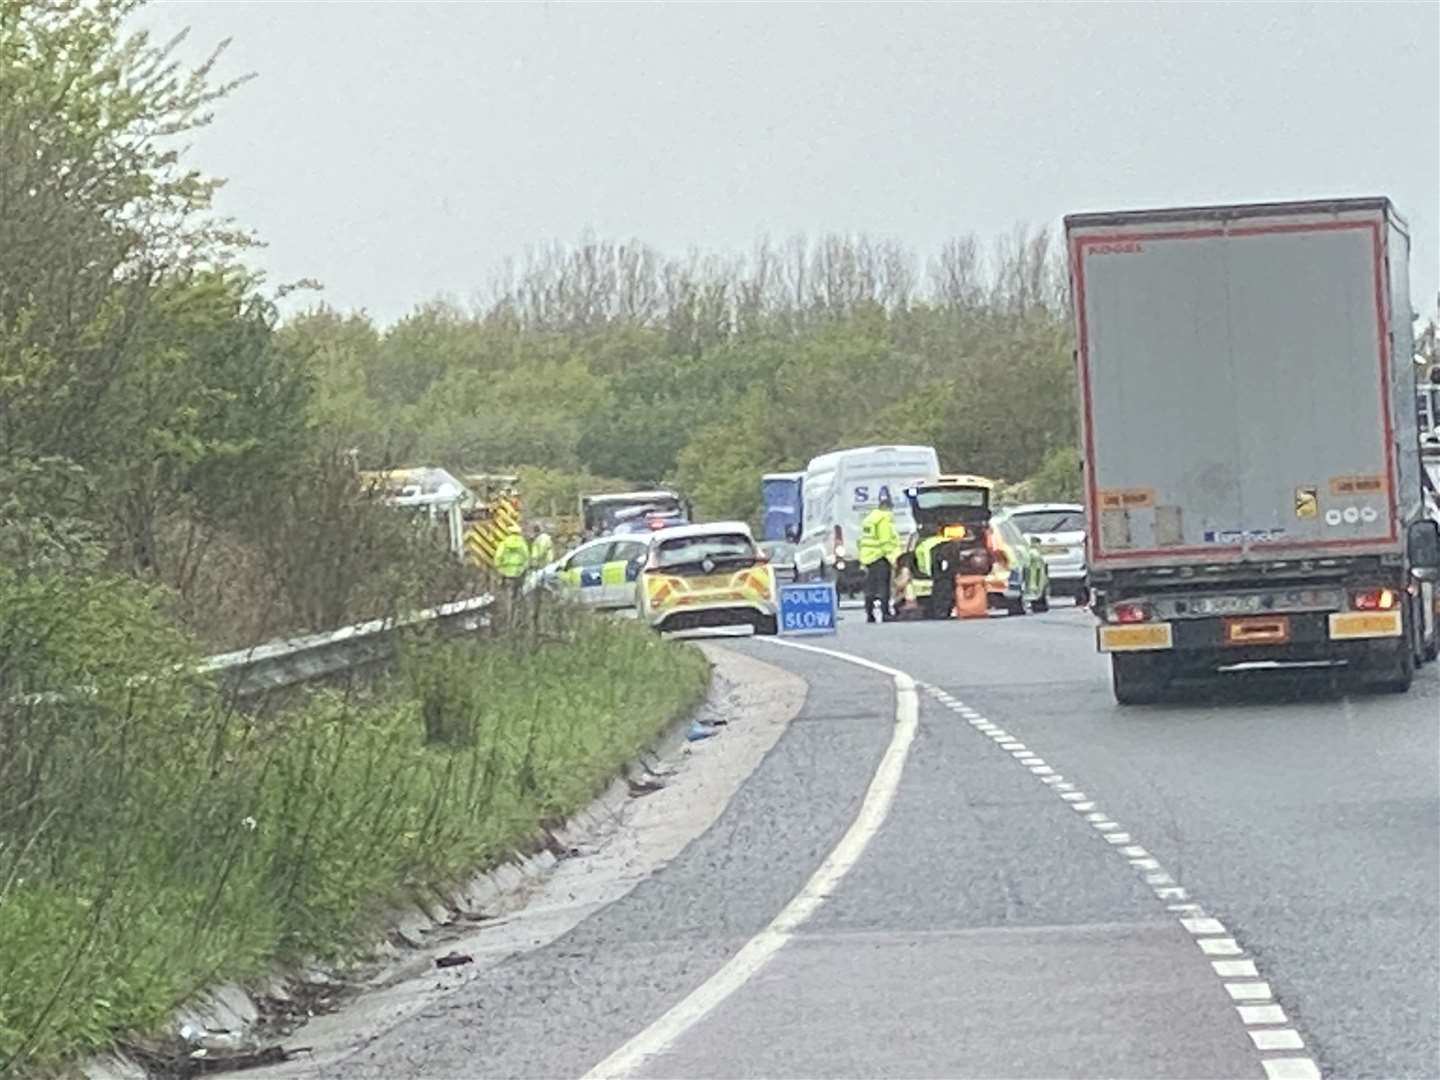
1396	674
1137	679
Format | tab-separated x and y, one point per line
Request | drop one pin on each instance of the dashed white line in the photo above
1290	1069
1248	991
1276	1039
1240	969
1254	1002
1203	926
1261	1014
1220	946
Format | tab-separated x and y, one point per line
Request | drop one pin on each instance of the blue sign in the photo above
808	608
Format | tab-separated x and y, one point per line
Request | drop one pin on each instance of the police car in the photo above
598	574
707	575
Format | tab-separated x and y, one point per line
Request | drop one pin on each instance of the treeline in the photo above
153	424
606	358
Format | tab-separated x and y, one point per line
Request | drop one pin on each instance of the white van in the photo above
840	489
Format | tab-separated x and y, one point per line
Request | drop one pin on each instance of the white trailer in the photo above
1251	458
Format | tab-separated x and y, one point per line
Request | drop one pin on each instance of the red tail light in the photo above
1129	613
1374	600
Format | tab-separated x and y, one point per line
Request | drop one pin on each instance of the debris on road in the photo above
453	959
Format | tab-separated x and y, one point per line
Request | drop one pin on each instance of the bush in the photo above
150	845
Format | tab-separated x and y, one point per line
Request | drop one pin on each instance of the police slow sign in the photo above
808	609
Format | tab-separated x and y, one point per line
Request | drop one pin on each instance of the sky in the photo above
401	151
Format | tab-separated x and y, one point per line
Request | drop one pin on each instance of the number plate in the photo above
1227	605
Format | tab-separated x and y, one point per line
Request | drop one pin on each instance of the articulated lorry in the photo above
1252	467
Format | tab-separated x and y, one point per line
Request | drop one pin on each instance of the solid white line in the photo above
759	950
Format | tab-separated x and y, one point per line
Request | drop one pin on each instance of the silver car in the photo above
1057	530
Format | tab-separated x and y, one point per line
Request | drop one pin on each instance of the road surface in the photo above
943	893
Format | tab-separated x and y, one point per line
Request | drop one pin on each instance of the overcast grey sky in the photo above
399	151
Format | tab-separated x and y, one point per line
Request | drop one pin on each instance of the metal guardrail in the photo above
288	661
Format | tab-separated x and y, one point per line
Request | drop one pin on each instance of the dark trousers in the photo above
877	588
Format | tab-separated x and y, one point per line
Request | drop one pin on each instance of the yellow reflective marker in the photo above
1365	624
1138	638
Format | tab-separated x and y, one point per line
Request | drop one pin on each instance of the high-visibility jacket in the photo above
923	551
878	538
512	556
542	550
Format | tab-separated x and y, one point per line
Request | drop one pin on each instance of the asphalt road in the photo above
989	927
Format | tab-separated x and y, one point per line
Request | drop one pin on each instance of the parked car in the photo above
707	575
597	574
1058	530
1018	579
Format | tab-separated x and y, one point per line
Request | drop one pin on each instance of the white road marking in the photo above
1242	969
1290	1069
1248	991
1203	926
1219	946
1261	1014
1209	933
1276	1039
760	949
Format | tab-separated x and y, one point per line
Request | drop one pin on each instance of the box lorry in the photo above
1252	469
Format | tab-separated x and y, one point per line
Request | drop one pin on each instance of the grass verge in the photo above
148	849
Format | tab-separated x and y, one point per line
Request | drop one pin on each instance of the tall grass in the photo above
150	845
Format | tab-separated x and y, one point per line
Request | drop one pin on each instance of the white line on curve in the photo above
759	950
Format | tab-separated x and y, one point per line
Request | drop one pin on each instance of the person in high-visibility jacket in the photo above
512	556
879	549
542	547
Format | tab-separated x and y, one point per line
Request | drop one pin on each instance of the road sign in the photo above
808	608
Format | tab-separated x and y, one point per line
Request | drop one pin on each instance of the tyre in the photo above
766	625
1395	675
1015	606
1137	679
